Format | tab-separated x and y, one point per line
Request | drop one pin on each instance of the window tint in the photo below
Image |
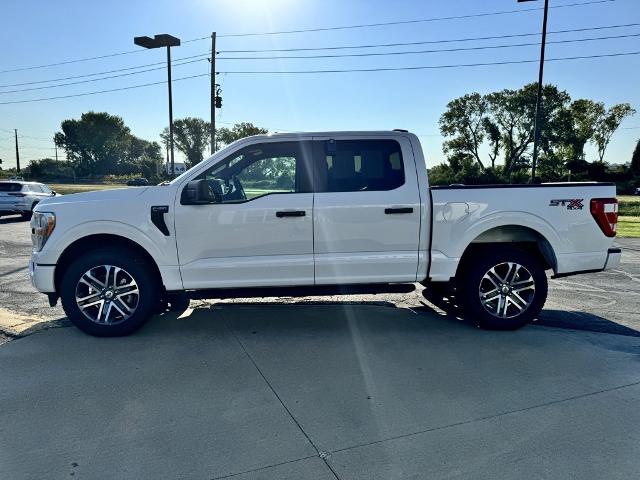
10	187
360	165
260	170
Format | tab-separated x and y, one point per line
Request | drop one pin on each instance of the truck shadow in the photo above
548	318
12	219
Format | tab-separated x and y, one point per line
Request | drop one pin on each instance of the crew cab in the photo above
336	212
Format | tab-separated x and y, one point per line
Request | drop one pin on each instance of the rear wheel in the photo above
504	288
108	293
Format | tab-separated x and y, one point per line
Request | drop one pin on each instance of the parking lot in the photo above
360	387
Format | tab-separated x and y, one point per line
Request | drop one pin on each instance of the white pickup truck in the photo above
291	214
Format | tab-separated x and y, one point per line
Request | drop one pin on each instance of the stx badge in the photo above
570	203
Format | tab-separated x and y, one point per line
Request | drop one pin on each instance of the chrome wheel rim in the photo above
507	290
107	294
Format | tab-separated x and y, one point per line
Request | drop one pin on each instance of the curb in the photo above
16	325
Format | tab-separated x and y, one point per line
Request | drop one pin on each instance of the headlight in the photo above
42	225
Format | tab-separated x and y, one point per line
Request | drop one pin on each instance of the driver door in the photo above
261	233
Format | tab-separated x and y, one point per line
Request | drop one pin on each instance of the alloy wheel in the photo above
506	290
107	294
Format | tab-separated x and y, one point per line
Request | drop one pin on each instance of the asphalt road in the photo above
391	387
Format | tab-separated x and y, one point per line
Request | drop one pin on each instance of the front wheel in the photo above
503	289
108	293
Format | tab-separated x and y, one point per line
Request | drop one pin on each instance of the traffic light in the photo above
218	101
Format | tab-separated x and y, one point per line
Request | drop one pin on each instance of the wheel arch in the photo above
95	242
519	236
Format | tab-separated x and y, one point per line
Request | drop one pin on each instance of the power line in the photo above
102	91
99	79
321	29
200	56
383	69
426	42
100	73
413	52
406	22
428	67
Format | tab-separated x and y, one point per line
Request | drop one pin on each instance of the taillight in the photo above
605	213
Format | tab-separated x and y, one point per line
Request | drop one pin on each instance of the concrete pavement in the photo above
320	391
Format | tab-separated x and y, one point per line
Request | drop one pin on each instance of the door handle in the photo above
391	211
291	213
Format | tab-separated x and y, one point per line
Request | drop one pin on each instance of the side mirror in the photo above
53	193
199	192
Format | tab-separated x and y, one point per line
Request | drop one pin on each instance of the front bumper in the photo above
42	277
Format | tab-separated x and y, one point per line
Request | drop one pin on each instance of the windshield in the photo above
10	187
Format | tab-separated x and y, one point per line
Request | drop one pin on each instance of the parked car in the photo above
298	214
138	182
21	197
16	178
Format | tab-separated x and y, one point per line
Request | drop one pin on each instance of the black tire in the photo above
472	280
135	267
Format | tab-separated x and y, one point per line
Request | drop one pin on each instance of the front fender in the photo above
161	248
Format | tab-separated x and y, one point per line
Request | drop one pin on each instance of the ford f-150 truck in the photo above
332	212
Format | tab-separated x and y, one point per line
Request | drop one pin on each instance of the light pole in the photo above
536	133
163	40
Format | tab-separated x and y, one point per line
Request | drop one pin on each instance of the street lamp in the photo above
163	40
536	134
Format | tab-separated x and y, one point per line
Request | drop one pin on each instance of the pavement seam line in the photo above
321	455
488	417
265	467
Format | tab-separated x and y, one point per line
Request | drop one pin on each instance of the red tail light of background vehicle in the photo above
605	213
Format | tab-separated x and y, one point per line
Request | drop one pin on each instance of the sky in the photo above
36	33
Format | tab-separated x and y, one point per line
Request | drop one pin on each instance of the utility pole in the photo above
173	170
56	147
538	119
15	131
213	92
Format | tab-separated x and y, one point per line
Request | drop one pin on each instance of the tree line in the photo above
489	138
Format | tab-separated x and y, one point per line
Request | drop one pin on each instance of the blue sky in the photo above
42	32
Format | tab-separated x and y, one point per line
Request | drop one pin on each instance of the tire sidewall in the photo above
475	270
135	266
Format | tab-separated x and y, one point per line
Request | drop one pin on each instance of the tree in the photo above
191	136
635	160
240	130
607	125
584	115
95	143
465	120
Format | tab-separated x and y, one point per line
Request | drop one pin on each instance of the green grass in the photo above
67	188
629	205
629	227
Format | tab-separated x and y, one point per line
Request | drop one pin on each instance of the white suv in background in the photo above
21	197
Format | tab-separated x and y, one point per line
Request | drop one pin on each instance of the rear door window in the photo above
10	187
359	165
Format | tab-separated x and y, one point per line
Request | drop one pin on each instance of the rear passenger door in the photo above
366	211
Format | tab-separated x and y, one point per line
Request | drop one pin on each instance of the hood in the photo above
111	195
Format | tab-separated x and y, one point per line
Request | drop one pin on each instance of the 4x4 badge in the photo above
570	203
